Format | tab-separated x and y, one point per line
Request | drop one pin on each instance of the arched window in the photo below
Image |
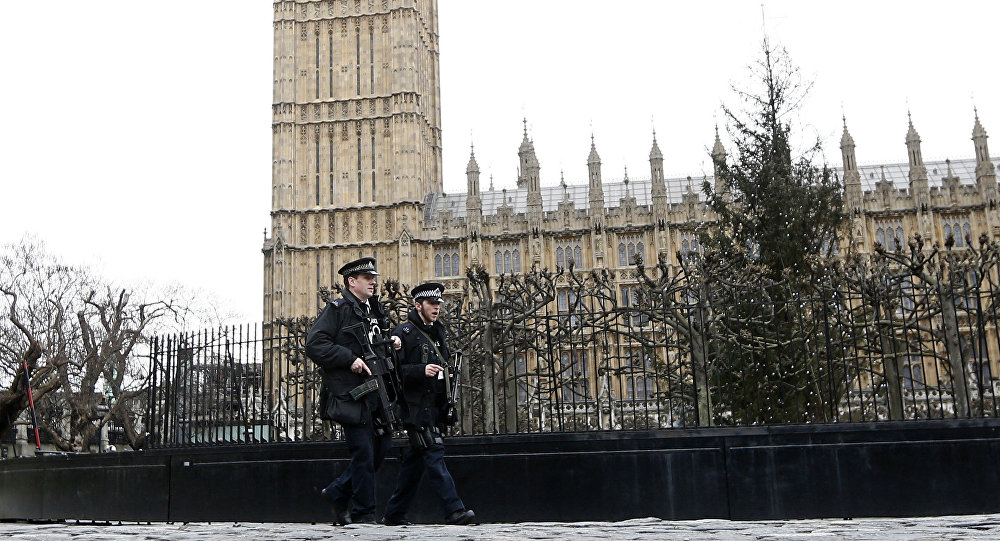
628	247
446	261
559	258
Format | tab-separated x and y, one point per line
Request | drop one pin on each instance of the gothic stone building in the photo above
357	171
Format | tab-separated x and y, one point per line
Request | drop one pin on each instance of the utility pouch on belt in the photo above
422	438
363	389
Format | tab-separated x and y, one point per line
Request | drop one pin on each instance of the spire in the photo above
847	149
473	203
596	194
911	134
852	177
593	158
473	166
918	173
977	129
654	153
982	150
658	187
718	162
529	174
846	139
718	151
985	171
525	142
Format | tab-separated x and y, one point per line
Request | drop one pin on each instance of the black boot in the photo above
460	517
341	514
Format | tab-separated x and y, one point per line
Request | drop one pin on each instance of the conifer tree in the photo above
774	209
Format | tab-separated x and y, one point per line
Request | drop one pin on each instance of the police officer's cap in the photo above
431	291
364	265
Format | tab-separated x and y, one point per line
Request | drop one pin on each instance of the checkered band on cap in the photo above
429	291
436	293
363	265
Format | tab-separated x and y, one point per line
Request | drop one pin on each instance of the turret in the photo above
473	203
852	178
918	173
594	180
718	161
658	189
984	167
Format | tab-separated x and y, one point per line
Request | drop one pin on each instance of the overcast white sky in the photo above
137	134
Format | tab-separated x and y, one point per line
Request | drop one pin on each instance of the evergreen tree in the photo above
777	213
773	209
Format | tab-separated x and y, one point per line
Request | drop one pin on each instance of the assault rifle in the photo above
384	381
451	389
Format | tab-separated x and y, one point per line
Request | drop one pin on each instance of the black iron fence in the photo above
902	335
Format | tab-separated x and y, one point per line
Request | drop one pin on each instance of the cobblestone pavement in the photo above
954	527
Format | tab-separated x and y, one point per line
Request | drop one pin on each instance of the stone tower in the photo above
356	141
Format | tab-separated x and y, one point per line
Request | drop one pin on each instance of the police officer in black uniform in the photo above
421	370
334	347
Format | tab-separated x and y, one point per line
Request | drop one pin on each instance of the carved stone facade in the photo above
357	154
356	141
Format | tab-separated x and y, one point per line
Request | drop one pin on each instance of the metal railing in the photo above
894	336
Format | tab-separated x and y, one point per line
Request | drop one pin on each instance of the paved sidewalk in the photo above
954	527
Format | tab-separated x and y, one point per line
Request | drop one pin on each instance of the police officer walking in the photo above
421	367
333	344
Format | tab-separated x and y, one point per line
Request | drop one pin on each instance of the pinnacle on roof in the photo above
525	143
593	158
718	150
473	165
911	134
977	129
846	140
654	153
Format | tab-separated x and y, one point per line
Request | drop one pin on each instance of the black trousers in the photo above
414	464
357	482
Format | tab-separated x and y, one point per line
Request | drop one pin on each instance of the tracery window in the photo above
957	226
567	251
628	247
446	261
889	233
507	258
690	244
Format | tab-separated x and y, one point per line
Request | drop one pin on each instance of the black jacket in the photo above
333	348
425	397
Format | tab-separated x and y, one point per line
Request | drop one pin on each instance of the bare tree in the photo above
36	323
83	339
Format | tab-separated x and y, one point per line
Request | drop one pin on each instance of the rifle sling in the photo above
440	357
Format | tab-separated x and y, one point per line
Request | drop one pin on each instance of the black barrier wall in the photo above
884	469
